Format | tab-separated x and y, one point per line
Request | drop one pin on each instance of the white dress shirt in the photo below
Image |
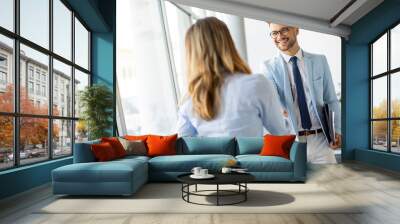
304	76
249	103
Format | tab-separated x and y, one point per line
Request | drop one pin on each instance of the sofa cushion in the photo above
132	158
185	163
249	145
206	145
257	163
112	171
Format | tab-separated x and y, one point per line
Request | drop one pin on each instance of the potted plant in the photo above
96	102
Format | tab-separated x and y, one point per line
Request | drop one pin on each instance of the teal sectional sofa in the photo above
125	176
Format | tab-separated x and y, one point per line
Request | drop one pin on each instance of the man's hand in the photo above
338	142
285	114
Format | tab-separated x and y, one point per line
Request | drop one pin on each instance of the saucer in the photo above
208	176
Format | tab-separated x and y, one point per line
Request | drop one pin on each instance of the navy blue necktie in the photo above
301	96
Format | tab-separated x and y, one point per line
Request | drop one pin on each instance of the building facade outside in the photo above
34	91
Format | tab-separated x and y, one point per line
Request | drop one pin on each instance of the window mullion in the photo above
50	81
73	81
371	92
16	84
389	106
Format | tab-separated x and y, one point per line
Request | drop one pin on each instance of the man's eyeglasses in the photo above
284	31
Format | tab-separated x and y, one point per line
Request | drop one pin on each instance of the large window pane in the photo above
81	45
62	89
35	21
379	55
62	138
7	14
143	72
33	139
6	74
6	142
395	136
34	78
395	94
395	47
379	98
81	81
379	135
178	23
62	29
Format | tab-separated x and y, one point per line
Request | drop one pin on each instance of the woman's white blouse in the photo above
249	103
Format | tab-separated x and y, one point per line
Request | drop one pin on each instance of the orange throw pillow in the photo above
116	145
277	145
136	137
161	145
103	152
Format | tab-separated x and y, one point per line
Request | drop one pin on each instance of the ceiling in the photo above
326	16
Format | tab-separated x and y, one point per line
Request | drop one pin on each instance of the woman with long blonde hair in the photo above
224	98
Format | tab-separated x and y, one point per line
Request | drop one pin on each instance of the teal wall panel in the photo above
356	94
103	64
380	159
90	12
24	178
357	100
102	58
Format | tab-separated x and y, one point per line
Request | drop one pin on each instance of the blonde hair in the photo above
210	55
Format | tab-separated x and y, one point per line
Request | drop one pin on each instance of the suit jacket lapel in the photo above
283	75
287	89
310	73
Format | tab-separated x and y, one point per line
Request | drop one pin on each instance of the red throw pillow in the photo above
116	145
161	145
103	152
277	145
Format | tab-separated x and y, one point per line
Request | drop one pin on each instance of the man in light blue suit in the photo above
304	84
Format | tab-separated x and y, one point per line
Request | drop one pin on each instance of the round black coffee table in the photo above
238	179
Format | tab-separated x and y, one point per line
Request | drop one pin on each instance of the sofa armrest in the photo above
298	155
83	152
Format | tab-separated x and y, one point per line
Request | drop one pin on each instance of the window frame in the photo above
16	114
171	59
388	74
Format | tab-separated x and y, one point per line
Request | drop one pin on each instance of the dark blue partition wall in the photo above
99	15
356	94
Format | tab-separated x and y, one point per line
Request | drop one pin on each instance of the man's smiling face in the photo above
284	37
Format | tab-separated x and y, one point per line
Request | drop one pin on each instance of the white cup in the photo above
226	170
196	170
203	172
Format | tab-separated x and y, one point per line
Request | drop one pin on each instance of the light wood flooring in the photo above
377	188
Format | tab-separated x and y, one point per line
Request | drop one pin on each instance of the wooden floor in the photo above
377	188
